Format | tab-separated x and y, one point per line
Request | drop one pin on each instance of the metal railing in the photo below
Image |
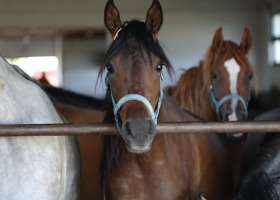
162	128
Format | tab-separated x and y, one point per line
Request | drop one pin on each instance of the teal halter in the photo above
137	97
219	103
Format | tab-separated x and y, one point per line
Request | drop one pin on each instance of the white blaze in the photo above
233	70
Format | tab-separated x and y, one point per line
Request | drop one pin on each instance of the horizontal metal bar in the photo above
110	129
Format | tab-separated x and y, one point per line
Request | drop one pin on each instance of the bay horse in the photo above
138	163
219	88
75	99
37	167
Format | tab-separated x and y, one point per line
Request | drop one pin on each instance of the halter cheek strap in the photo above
219	103
137	97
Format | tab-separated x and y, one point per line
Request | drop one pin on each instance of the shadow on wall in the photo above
264	101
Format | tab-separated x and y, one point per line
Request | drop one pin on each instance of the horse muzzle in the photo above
231	116
138	135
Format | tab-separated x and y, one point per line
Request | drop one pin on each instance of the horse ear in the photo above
218	39
154	18
112	18
247	41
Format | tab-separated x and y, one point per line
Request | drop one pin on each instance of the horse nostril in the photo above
128	129
152	129
244	115
127	125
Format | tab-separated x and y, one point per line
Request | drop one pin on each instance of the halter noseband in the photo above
219	103
137	97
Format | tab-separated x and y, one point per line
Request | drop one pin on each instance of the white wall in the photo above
186	35
187	32
268	74
188	39
81	65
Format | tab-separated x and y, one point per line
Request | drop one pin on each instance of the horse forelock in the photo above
136	32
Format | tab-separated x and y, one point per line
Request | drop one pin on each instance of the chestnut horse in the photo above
138	163
219	88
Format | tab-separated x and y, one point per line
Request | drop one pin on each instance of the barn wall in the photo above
186	33
81	64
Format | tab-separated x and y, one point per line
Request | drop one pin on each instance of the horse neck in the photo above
202	103
194	96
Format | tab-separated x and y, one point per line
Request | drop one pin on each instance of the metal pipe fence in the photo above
162	128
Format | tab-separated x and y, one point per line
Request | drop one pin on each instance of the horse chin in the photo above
132	148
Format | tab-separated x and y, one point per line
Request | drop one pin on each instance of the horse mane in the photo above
183	92
75	99
23	74
18	70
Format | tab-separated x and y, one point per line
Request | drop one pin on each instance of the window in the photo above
43	67
276	38
39	55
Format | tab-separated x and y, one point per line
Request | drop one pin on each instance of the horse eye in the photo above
159	67
110	69
214	76
250	77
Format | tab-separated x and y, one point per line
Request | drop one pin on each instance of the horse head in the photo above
229	73
134	64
